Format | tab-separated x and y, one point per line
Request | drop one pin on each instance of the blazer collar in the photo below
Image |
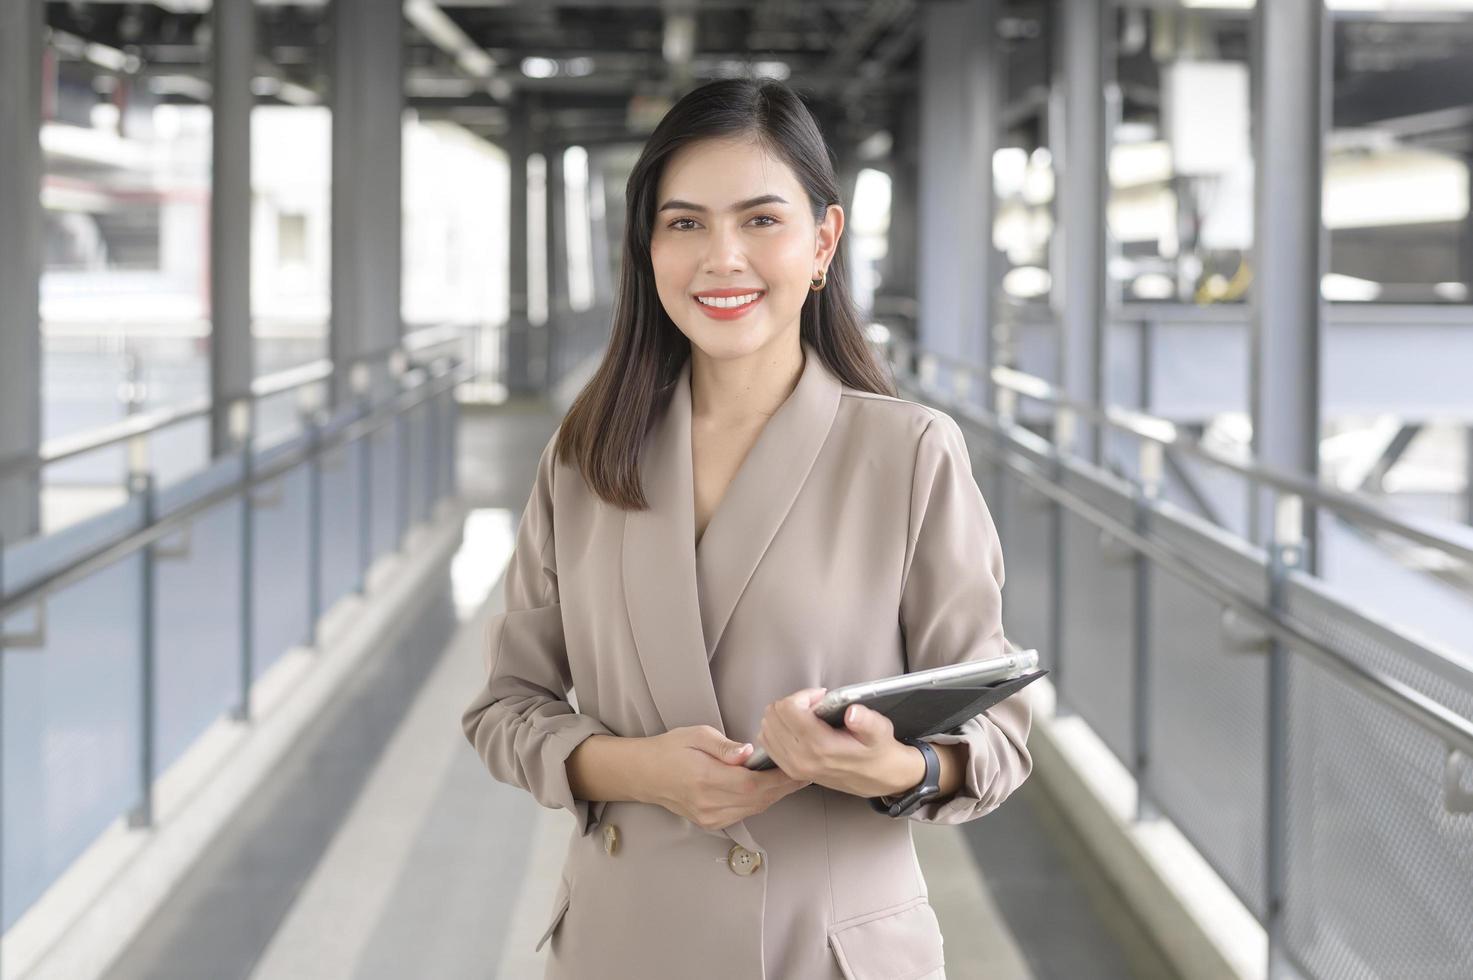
681	597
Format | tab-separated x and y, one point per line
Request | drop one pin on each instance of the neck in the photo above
745	390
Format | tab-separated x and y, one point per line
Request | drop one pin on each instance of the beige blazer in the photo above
852	543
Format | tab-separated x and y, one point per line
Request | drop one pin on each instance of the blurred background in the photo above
293	293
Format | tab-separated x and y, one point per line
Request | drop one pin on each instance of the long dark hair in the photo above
606	424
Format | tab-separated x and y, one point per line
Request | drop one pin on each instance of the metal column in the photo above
1465	275
598	232
559	331
517	363
1079	210
898	270
232	360
1291	40
21	44
958	123
366	54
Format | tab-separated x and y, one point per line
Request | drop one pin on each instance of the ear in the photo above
827	239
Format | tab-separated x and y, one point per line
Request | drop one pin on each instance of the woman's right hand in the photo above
698	773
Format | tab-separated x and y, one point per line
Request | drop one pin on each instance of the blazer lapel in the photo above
676	615
761	494
680	598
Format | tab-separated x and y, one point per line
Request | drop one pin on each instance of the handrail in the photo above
1454	730
374	419
291	378
1167	433
147	423
432	336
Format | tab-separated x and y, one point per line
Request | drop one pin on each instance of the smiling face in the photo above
732	220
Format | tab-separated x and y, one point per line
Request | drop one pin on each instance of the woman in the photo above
736	515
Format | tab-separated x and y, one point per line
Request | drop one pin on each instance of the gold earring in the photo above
818	281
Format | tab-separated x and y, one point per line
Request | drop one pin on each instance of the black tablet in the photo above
924	710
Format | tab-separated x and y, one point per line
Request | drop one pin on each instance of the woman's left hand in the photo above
863	757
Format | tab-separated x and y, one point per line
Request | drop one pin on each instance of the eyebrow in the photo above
678	205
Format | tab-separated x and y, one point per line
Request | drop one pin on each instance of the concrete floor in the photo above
383	849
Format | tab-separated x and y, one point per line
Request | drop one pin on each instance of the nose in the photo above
724	253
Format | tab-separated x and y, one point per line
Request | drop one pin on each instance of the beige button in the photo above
743	861
611	838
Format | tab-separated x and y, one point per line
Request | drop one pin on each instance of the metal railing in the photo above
1339	732
121	615
146	423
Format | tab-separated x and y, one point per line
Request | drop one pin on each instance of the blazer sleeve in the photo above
951	611
520	722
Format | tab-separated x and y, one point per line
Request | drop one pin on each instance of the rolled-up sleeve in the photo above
951	612
520	721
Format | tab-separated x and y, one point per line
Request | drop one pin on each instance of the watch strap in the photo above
928	788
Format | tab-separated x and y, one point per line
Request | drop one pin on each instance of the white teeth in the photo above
727	302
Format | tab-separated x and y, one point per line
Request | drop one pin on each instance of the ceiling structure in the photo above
597	72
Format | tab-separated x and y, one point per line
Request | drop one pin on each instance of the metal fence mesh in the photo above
1380	873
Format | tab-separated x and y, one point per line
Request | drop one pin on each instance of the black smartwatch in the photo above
927	789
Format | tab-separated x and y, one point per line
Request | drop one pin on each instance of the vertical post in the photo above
401	459
1286	552
367	72
2	745
516	364
360	383
598	231
232	64
432	448
958	132
313	421
1063	443
558	330
22	44
899	268
142	488
1145	490
1468	474
1290	117
242	427
452	465
1087	28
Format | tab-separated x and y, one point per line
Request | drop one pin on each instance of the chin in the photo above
731	340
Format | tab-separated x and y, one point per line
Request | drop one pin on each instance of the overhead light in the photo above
1027	282
539	67
876	145
1334	286
1009	164
1153	285
679	42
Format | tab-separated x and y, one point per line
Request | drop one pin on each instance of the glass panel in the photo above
197	660
281	546
70	729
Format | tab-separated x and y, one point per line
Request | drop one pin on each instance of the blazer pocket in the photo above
894	944
559	909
